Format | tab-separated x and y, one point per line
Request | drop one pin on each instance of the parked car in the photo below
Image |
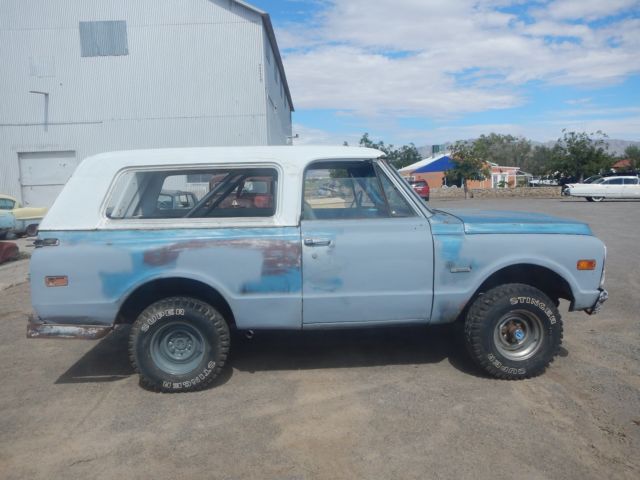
7	223
176	200
607	187
26	218
421	187
378	257
547	181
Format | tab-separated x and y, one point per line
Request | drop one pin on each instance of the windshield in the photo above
405	186
6	204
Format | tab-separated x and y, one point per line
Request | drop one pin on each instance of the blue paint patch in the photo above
272	263
443	223
289	282
448	247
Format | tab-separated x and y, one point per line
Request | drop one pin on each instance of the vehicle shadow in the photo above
300	350
368	347
107	361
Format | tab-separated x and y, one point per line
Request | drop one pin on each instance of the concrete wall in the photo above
193	76
532	192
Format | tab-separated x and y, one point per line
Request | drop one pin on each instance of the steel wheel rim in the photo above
177	348
597	199
518	335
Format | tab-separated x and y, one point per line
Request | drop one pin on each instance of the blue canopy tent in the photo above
440	165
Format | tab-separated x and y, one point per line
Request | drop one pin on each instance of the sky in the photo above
432	71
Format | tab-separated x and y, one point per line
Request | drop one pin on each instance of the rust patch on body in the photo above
279	256
37	329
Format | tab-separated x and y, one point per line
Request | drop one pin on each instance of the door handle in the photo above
317	242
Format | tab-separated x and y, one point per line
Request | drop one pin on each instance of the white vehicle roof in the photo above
78	207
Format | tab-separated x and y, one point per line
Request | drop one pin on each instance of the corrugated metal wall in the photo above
193	75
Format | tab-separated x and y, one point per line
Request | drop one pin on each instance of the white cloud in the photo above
440	58
586	9
316	136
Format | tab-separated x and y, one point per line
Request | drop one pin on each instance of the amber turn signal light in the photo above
57	281
586	265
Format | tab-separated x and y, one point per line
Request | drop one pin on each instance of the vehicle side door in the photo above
367	252
614	187
631	188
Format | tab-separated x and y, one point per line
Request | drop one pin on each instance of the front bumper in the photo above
603	297
36	328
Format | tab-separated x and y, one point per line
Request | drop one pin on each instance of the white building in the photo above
81	77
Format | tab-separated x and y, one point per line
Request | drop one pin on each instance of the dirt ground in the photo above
374	404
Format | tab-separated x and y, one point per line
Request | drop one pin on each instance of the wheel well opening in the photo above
544	279
156	290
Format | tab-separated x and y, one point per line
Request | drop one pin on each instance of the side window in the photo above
631	181
616	181
229	193
348	190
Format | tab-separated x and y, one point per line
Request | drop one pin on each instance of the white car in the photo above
627	186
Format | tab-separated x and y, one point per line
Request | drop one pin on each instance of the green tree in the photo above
540	161
581	154
504	150
398	157
469	163
632	153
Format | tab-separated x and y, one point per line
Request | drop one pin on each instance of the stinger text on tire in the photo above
179	344
513	331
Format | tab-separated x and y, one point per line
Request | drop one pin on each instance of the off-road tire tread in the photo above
478	315
200	307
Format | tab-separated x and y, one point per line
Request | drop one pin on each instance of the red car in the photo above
421	187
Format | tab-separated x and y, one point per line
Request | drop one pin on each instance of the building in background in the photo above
433	171
81	77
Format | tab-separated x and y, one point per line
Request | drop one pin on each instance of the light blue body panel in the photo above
506	222
257	270
372	271
469	252
323	274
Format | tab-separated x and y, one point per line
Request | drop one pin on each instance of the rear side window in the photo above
614	181
219	193
631	181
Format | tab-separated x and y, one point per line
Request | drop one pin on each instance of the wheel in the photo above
597	199
179	344
589	199
513	331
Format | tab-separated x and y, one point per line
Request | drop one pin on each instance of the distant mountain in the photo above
616	146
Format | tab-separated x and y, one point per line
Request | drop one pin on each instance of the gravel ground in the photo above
375	404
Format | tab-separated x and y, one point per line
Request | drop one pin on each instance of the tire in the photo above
597	199
513	331
589	199
179	344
